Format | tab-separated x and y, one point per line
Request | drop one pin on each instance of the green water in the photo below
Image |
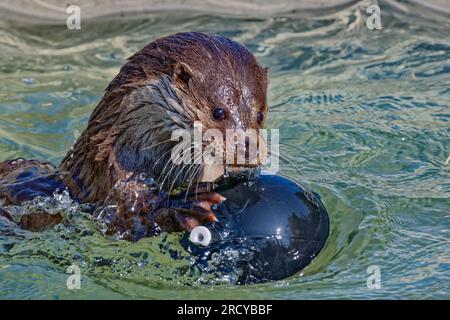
366	113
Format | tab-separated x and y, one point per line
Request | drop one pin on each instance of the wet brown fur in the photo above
203	72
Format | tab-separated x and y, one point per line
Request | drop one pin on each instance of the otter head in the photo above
168	86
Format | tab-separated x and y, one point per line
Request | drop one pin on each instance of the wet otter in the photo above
167	85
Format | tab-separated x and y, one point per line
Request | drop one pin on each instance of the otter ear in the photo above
182	73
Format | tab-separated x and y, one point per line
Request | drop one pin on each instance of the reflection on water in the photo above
364	114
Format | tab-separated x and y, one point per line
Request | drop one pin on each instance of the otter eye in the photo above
218	113
260	117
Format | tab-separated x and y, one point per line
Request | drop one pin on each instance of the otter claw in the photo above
177	216
201	211
205	205
191	218
211	198
190	221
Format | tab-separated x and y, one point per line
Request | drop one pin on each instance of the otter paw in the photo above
189	214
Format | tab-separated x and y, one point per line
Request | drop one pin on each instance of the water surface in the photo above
364	114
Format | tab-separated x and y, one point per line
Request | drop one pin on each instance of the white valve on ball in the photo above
200	235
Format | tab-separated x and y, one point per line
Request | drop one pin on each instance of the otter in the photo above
168	85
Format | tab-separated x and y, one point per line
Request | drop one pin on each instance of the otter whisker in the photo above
191	178
156	144
168	174
179	172
192	170
188	176
196	191
164	154
174	180
197	182
165	167
299	170
165	175
193	163
291	146
290	160
190	181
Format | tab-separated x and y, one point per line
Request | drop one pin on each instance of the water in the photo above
364	114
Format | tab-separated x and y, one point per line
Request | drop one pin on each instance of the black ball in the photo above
275	226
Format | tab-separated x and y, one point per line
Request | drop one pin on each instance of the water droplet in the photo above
28	81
